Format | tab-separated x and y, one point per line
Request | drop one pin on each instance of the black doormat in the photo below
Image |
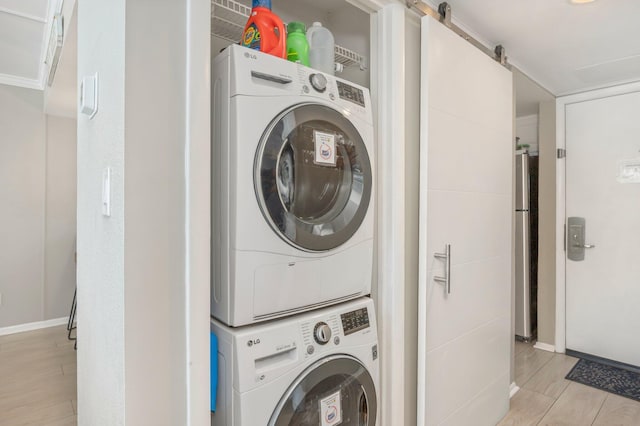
607	378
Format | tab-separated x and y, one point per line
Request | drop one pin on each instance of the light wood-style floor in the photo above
547	398
38	387
38	378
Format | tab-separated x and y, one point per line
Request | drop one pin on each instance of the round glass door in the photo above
313	177
337	390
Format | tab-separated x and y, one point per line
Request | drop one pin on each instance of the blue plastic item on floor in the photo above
214	370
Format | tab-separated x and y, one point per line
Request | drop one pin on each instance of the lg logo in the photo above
250	55
253	342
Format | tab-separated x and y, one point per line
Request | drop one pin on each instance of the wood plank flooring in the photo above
547	398
38	387
38	378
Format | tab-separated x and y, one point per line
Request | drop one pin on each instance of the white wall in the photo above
527	131
37	189
60	225
143	287
101	374
22	191
547	225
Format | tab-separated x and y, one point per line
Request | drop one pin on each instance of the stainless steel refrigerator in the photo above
523	246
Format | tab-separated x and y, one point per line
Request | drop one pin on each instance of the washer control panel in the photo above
355	321
321	334
319	82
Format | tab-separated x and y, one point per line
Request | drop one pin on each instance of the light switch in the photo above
106	192
89	95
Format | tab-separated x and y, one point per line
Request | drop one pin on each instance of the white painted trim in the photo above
389	86
197	211
561	104
30	326
27	83
421	418
560	218
545	347
371	6
513	389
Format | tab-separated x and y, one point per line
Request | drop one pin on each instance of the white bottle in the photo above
321	48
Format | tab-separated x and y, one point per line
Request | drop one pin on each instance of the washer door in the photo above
313	177
336	390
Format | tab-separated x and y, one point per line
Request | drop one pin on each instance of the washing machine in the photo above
292	188
317	368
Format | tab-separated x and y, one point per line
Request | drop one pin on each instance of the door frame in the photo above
561	262
387	45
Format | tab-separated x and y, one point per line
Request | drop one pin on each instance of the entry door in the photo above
603	187
466	201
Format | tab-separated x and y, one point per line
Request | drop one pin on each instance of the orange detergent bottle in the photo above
264	30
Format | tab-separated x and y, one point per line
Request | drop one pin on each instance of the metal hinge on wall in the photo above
561	153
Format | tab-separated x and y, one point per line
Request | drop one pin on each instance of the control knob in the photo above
318	81
322	333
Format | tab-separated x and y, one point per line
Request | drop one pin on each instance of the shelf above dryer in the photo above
229	17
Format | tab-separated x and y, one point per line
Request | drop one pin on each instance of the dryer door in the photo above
337	390
313	177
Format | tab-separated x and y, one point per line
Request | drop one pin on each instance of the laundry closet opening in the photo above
293	200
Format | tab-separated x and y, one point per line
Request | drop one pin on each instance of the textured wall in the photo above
101	301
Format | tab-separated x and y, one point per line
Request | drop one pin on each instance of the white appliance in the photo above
317	368
293	188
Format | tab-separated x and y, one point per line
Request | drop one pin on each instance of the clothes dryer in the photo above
293	188
317	368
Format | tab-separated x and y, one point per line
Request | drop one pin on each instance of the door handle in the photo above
575	241
446	256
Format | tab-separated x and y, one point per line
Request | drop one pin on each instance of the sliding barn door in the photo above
466	215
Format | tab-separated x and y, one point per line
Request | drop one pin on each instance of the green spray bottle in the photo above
297	45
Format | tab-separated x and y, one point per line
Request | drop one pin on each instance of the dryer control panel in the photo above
260	74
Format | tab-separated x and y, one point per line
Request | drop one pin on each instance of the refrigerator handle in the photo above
446	256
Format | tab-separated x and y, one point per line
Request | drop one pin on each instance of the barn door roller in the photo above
444	14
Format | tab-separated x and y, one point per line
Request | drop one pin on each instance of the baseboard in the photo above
513	389
33	326
545	347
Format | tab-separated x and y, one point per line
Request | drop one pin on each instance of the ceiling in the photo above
24	27
564	47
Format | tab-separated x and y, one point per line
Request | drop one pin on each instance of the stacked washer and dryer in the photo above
292	245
